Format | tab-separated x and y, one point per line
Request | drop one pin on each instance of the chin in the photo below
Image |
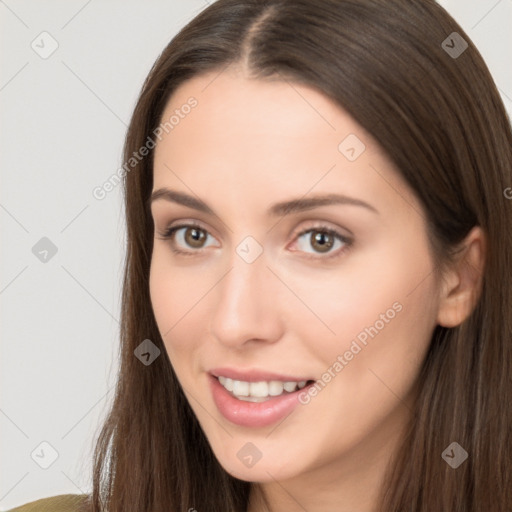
238	464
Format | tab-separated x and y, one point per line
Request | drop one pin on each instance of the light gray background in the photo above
64	118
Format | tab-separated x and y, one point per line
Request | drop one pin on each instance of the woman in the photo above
317	297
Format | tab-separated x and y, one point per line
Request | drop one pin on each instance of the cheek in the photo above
377	312
368	368
367	288
385	325
176	294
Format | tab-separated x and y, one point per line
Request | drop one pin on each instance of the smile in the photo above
259	401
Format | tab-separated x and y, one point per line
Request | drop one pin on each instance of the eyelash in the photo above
169	233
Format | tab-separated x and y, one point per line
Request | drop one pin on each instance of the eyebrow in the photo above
278	209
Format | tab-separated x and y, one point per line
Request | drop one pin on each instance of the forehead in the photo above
273	136
231	106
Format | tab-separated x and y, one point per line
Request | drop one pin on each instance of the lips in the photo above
250	411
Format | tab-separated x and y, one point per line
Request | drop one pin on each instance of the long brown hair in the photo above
440	119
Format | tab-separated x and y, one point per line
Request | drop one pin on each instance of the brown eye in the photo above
322	241
195	237
189	239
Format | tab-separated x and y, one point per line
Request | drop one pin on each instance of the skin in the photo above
246	146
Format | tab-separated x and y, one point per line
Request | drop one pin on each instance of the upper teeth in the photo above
247	390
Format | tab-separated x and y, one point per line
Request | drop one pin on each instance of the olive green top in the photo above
60	503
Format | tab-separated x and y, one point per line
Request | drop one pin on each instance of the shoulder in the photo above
60	503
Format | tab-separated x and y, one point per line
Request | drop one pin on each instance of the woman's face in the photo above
297	275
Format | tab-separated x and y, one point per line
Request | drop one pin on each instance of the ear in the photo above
461	285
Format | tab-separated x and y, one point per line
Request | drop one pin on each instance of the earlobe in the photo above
462	283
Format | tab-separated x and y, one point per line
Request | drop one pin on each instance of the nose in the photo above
247	307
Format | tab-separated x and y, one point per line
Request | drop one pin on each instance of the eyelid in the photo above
187	223
319	225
